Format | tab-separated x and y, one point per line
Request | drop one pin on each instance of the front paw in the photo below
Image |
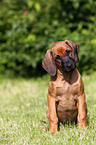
82	124
52	131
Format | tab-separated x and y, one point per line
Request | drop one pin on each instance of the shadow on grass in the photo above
71	123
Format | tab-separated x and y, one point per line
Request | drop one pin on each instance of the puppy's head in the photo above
63	55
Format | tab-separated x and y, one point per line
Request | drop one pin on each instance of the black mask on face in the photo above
68	64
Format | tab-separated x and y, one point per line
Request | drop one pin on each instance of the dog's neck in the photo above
70	77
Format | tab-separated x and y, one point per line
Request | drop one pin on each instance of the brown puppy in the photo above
66	97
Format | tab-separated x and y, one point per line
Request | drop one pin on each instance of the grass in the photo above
22	106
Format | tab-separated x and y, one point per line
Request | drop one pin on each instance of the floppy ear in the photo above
48	63
75	48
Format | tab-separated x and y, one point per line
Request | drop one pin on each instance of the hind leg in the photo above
47	111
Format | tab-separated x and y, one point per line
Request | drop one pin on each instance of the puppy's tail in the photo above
44	122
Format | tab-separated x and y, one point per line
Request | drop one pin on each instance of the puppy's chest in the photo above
66	100
66	91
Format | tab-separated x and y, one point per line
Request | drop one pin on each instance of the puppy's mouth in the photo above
68	64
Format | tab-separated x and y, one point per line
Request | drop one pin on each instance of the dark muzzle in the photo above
68	64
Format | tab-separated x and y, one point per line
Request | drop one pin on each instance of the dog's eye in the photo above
68	52
57	58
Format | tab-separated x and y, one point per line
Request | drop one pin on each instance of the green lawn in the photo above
22	106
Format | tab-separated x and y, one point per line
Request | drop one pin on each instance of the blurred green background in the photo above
29	27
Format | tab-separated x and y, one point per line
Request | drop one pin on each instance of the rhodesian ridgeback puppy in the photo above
66	96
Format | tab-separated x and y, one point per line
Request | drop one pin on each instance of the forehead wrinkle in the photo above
59	48
67	47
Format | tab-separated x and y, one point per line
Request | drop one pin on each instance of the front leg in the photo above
82	111
53	120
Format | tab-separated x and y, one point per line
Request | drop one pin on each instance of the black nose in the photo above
69	64
66	60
